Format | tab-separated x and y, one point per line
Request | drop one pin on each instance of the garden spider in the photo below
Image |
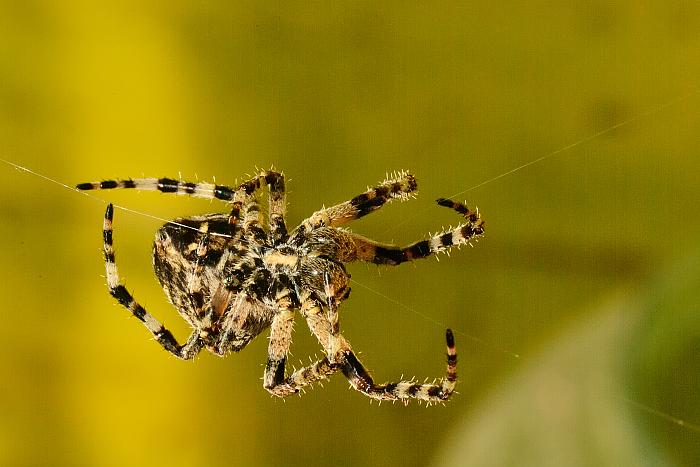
230	278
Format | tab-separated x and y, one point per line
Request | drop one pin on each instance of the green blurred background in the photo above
576	316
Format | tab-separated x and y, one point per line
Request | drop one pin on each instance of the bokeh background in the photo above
576	316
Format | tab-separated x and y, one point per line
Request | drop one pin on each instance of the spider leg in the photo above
361	380
238	196
167	185
277	201
122	295
251	223
236	332
317	371
280	340
378	253
274	379
400	186
339	353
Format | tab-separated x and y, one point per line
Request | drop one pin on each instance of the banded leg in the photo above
165	185
317	371
122	295
472	216
280	340
361	380
306	376
399	186
251	223
238	196
340	353
277	201
374	252
274	379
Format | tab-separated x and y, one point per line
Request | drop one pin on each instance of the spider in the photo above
231	278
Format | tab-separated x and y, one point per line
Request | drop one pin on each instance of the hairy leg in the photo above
339	353
122	295
364	249
399	186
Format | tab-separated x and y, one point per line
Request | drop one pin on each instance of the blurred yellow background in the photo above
576	316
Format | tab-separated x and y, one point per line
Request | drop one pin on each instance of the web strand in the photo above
561	150
429	318
103	201
663	415
584	140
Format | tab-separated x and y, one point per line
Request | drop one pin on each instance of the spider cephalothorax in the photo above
231	278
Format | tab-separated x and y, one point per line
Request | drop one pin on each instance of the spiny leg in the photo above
339	353
399	186
277	201
122	295
274	379
166	185
310	374
375	252
237	196
361	380
251	223
305	376
234	310
472	216
280	340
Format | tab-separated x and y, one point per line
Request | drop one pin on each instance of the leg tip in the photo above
444	202
85	186
412	183
450	338
109	213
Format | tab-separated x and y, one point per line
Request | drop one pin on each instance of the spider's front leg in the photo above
341	355
244	203
122	295
238	196
399	186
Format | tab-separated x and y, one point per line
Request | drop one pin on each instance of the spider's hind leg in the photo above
124	297
361	380
341	355
238	196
